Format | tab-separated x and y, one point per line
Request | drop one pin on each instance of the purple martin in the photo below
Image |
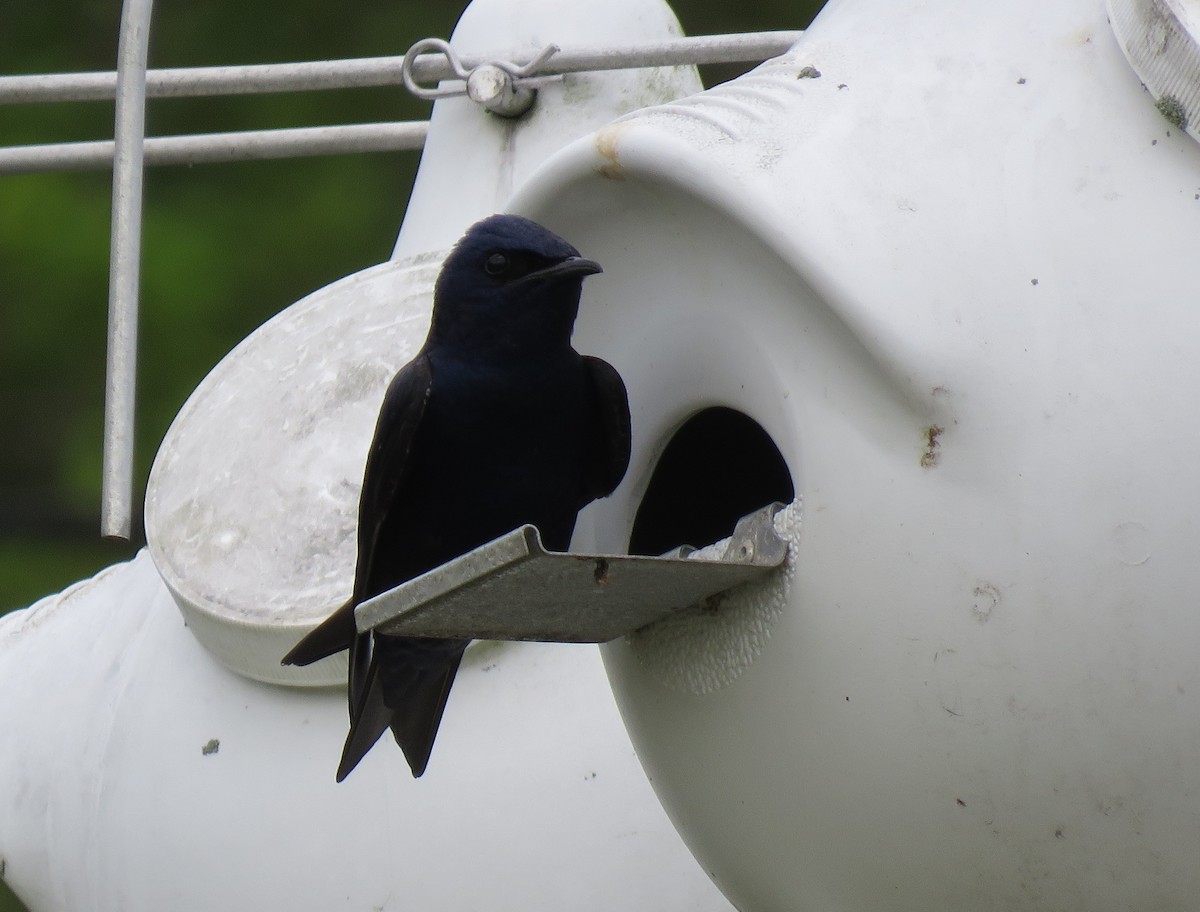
495	423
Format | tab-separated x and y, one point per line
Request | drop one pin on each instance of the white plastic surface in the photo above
941	253
1161	39
137	775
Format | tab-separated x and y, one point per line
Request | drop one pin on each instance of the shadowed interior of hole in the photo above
719	466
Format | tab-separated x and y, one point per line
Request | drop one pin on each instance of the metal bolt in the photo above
495	89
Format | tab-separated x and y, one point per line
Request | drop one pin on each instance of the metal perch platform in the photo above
513	589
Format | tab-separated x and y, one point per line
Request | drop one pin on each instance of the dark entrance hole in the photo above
718	467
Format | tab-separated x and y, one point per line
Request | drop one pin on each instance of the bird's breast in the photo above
496	449
519	430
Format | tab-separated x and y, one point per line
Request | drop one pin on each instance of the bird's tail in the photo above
332	635
404	687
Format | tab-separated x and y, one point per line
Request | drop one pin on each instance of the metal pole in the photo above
378	71
117	485
221	147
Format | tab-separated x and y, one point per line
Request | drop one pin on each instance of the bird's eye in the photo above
496	264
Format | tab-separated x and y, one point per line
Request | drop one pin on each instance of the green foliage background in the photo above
224	248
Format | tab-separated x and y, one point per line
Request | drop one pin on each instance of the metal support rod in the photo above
221	147
380	71
116	496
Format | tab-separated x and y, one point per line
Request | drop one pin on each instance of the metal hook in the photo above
500	86
436	45
530	69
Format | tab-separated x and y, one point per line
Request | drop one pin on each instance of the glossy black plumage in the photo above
496	422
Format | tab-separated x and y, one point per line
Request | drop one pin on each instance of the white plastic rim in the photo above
1161	40
253	500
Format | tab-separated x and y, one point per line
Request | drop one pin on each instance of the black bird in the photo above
496	422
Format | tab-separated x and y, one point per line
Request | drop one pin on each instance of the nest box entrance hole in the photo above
718	467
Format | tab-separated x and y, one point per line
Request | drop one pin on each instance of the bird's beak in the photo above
575	265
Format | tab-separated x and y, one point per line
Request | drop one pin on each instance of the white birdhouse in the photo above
923	281
936	254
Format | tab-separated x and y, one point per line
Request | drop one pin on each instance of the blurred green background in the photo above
224	247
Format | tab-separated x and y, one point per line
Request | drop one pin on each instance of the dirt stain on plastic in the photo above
606	145
931	455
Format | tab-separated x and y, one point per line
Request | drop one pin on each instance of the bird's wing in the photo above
388	461
387	465
369	713
608	456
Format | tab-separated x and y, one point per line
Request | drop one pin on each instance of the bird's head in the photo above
508	284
